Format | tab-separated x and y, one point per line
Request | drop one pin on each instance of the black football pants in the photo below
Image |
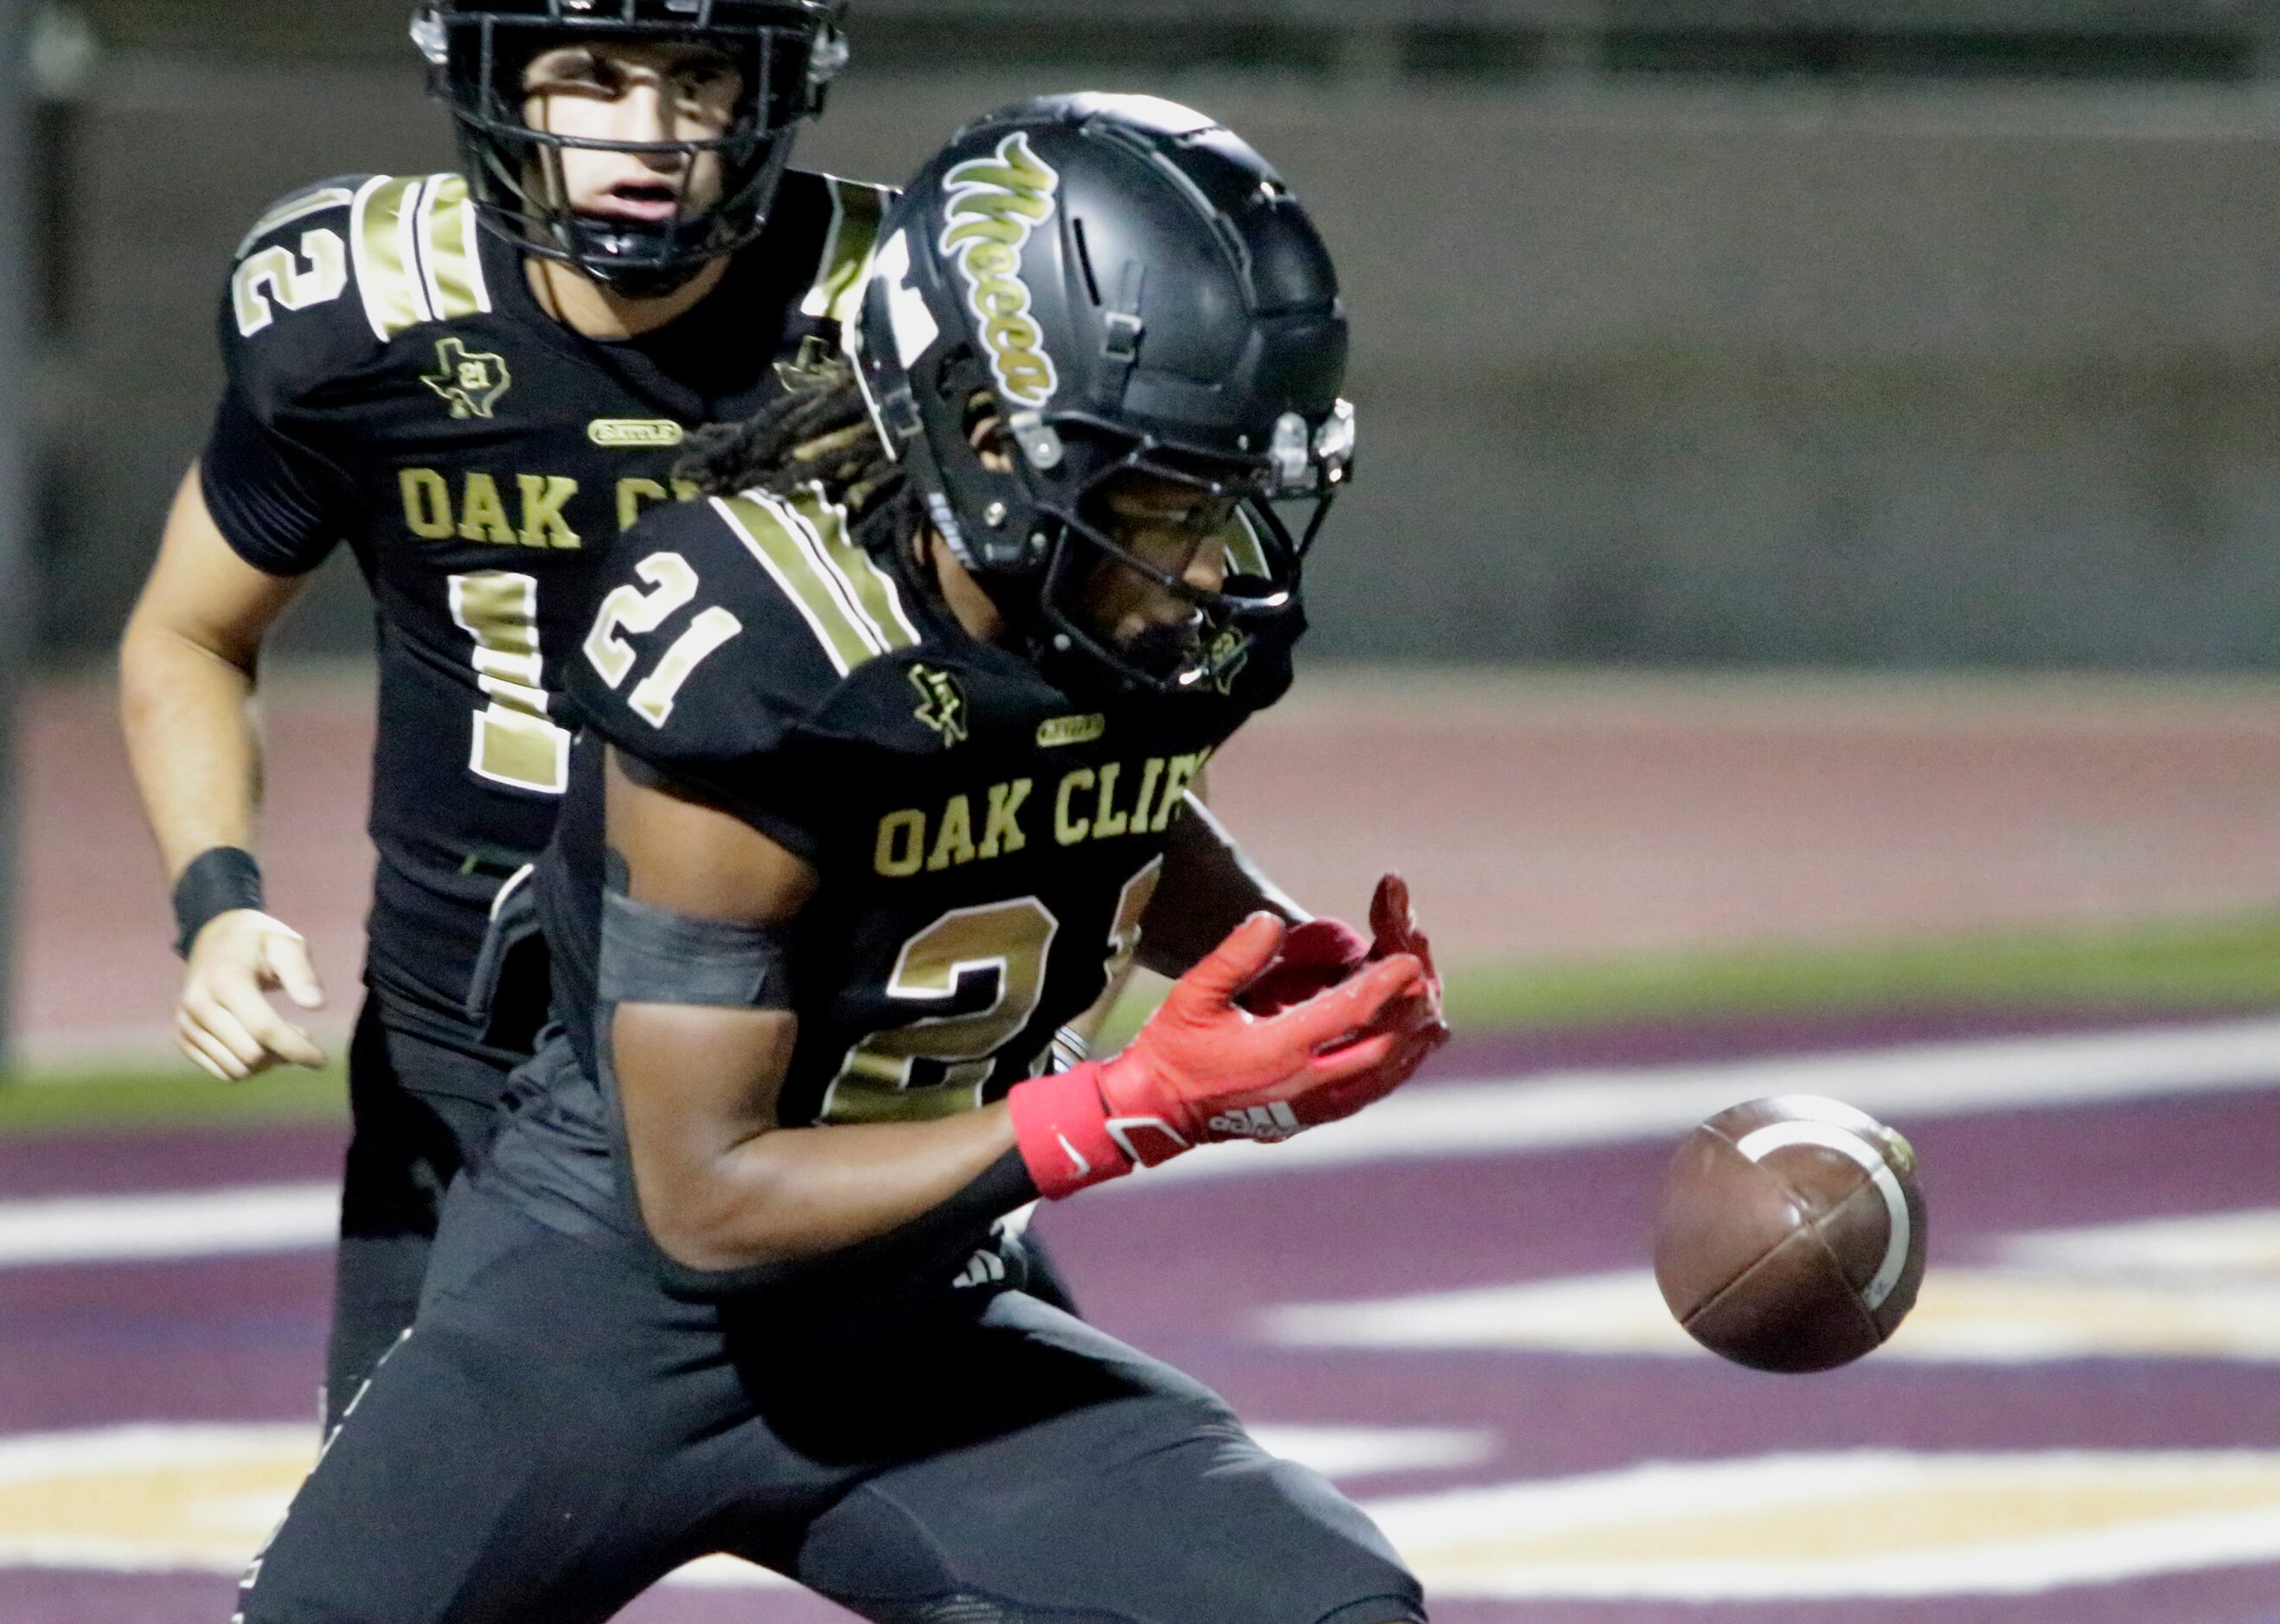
557	1433
420	1110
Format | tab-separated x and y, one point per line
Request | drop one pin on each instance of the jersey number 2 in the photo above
938	1064
274	275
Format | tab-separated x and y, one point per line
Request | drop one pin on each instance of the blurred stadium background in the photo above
1804	619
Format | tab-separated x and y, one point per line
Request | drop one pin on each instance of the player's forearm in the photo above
187	714
1209	887
806	1194
722	1189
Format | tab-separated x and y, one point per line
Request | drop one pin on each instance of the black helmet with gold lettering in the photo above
1081	285
785	50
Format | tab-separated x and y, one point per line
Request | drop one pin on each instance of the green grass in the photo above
2209	966
2230	964
167	1095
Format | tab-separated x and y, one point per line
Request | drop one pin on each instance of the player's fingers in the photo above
1418	1042
289	1042
288	956
243	996
1407	1024
1413	1012
1350	1005
1347	1098
207	1049
279	1038
1403	1054
1353	1059
1388	906
198	1057
222	1020
1234	964
1421	946
1369	1071
1393	922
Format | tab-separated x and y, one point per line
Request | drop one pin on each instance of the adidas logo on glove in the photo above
1268	1122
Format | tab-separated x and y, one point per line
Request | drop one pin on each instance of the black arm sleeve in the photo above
281	506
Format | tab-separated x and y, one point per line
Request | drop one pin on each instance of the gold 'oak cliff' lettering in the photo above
1087	806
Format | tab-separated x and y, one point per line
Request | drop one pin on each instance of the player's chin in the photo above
1163	649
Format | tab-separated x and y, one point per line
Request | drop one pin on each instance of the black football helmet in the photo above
1124	284
788	51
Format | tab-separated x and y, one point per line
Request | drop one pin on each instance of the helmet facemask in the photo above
1021	501
783	53
1238	525
1130	301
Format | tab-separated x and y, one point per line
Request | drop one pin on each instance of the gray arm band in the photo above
653	955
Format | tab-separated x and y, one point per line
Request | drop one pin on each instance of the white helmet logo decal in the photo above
915	328
993	206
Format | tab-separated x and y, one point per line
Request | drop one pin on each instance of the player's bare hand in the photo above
225	1021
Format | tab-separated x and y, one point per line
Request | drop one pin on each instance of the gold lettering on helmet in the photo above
993	206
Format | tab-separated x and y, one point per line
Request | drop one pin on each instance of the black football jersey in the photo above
986	839
393	383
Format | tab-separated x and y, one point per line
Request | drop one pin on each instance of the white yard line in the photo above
1552	1111
267	1218
1565	1110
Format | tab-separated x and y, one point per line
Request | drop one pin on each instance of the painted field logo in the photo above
995	205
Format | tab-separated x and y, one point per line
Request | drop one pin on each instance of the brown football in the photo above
1791	1235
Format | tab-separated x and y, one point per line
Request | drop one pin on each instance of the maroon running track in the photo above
1536	816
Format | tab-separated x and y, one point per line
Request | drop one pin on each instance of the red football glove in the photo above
1414	1018
1314	958
1322	952
1204	1070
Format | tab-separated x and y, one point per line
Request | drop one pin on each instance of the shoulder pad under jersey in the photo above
722	625
330	273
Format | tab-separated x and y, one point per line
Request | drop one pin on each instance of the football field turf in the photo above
1448	1313
1445	1305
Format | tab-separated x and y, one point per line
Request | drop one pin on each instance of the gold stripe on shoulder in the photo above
450	256
292	209
382	238
772	534
870	591
855	210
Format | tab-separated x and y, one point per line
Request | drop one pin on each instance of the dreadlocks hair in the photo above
821	433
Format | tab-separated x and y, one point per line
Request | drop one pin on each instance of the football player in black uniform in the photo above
899	730
475	380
